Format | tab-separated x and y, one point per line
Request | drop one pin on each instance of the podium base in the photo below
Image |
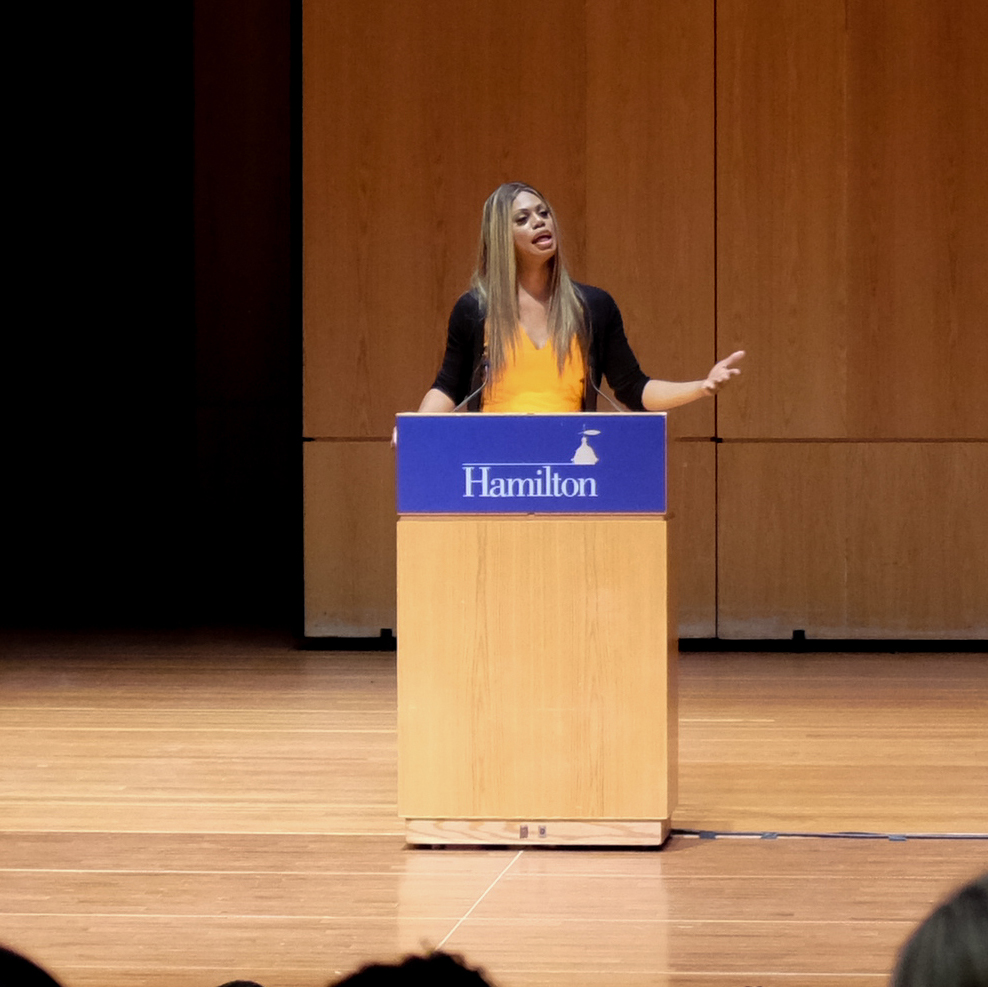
534	833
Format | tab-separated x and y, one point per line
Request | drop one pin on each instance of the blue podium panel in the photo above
579	463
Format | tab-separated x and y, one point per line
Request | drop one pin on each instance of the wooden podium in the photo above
536	648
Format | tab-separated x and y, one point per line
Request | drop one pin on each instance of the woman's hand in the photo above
722	372
435	402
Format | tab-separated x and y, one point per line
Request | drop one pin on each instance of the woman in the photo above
527	338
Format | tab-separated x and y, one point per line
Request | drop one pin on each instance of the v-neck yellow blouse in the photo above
531	381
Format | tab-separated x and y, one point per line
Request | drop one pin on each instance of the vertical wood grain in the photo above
414	112
349	539
533	669
853	540
918	250
810	176
853	263
781	214
650	183
692	482
650	236
852	210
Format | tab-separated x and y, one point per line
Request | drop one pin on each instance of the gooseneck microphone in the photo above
487	373
606	397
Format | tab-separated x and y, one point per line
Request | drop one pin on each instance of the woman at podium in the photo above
527	338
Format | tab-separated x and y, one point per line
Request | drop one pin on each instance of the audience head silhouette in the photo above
436	969
950	947
19	970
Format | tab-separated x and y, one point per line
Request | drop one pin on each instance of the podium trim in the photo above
536	833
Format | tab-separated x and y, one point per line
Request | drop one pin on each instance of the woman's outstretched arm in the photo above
663	395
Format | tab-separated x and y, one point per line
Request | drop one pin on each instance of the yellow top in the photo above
531	381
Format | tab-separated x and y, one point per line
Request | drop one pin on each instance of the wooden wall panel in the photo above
650	183
364	164
413	113
693	536
853	540
782	215
853	265
851	212
823	206
349	539
650	238
918	195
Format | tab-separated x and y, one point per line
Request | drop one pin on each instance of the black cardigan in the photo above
463	368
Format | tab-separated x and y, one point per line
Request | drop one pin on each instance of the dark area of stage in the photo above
152	373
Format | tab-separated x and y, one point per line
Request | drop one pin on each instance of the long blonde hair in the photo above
495	281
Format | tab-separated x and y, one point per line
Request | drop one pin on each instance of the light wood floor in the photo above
183	810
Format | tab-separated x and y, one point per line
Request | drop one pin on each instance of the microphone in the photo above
487	370
606	397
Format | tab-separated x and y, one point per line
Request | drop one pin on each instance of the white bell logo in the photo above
584	455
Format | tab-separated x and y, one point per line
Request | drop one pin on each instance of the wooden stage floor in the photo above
182	810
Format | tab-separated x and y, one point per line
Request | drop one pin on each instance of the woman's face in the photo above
533	228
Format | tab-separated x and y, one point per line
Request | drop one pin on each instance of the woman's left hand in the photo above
722	372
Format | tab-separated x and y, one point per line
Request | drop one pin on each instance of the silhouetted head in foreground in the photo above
950	947
435	969
19	970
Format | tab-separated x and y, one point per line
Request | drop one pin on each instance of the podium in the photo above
536	643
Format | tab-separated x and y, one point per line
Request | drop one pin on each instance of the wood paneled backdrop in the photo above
805	181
